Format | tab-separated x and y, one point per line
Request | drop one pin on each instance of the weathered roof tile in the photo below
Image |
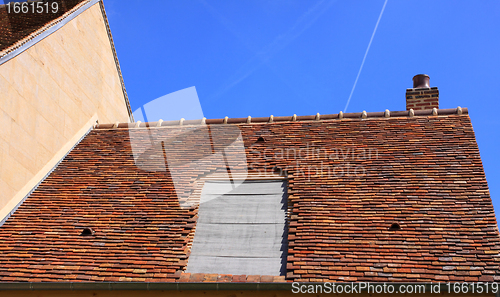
16	28
424	173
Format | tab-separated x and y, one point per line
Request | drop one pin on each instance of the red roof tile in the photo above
425	173
14	27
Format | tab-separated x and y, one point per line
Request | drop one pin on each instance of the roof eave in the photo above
211	286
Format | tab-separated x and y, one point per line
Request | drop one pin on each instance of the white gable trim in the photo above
46	32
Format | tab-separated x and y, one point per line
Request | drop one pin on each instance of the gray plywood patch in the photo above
239	209
260	187
239	240
241	230
235	266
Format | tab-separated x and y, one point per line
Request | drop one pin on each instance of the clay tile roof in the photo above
417	209
16	28
272	119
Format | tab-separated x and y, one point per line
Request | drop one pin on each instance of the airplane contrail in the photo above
364	58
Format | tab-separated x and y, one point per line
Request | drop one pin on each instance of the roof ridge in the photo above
272	119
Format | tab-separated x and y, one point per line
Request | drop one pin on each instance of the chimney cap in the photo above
421	81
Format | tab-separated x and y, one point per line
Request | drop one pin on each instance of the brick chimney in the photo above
422	96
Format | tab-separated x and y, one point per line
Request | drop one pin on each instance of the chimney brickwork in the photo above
421	96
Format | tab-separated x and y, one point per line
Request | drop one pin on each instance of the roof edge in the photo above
215	286
271	119
13	204
113	49
54	25
22	45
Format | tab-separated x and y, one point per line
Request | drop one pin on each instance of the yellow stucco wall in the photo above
49	93
195	293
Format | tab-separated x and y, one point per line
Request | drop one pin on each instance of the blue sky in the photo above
284	57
